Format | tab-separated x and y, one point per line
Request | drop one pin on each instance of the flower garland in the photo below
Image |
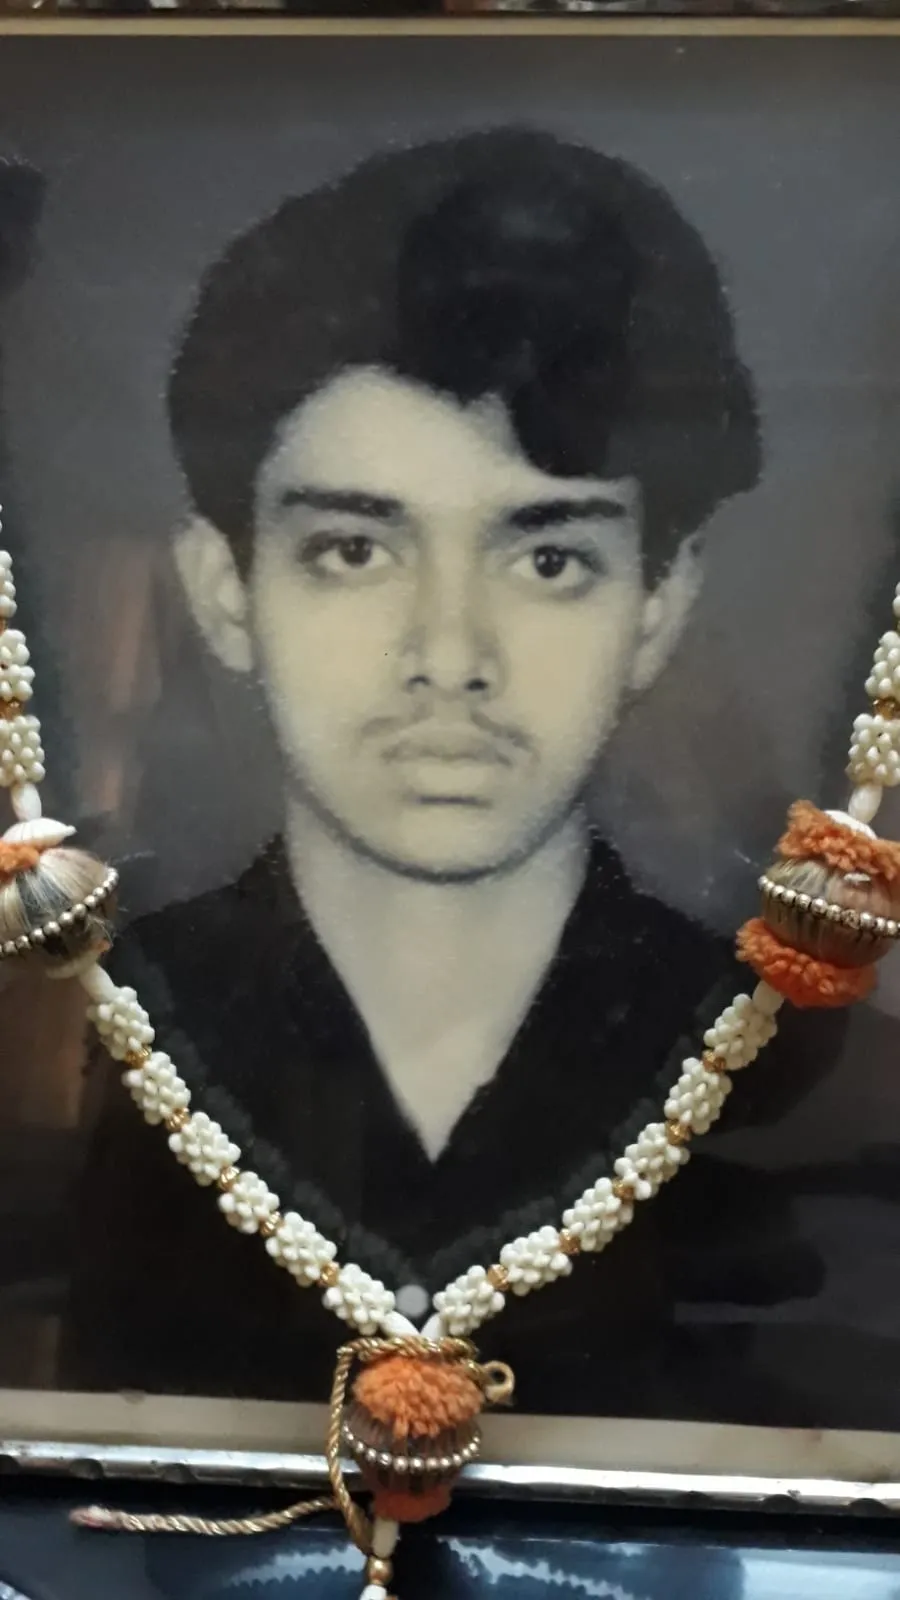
830	909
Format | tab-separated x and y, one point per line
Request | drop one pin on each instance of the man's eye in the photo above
339	555
555	567
354	552
550	562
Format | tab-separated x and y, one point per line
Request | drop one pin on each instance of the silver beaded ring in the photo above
57	926
861	921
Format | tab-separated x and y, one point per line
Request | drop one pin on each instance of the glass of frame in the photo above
452	476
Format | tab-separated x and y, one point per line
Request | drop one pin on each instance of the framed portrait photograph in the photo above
452	476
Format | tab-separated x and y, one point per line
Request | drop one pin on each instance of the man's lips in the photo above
453	746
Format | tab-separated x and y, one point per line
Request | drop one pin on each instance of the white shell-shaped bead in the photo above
42	831
847	820
26	801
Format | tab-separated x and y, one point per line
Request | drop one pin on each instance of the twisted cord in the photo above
107	1519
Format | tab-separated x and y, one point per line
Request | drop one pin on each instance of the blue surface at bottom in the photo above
490	1551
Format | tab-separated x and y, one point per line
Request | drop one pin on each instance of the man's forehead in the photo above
384	436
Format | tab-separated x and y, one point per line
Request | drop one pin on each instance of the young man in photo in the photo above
451	431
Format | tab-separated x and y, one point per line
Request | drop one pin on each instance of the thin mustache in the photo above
465	747
415	730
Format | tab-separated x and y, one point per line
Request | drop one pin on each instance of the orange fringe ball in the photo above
801	978
810	832
400	1505
15	857
417	1398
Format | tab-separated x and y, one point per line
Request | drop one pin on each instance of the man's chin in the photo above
449	844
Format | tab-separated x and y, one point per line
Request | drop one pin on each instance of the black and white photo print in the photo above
453	484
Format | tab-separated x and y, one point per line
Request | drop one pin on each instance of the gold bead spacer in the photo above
329	1274
138	1058
270	1224
227	1178
498	1277
10	709
569	1243
714	1063
678	1132
887	708
623	1190
177	1120
378	1570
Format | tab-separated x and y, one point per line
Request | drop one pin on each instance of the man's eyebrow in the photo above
357	502
555	513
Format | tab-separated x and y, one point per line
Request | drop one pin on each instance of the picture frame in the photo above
258	1441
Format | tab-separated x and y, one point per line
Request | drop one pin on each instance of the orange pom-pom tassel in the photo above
416	1398
17	856
812	833
801	978
401	1505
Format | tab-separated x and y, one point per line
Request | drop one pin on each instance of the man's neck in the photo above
441	974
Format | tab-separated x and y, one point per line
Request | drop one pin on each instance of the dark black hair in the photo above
506	262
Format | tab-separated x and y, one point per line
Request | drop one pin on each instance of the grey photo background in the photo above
156	152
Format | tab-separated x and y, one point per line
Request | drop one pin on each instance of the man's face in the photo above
444	632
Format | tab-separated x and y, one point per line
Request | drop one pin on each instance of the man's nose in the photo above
451	647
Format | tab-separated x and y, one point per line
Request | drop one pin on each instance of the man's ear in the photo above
666	611
215	592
